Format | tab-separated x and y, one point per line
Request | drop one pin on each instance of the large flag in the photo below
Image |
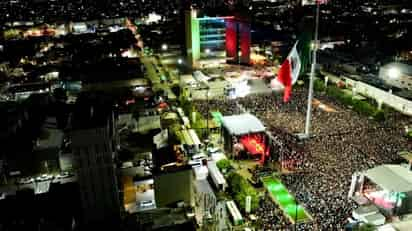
304	46
288	73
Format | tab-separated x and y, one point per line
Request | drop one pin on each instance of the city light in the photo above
282	113
152	18
394	73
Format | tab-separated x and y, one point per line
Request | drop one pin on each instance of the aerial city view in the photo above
214	115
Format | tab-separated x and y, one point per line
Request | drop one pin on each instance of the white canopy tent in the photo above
390	177
242	124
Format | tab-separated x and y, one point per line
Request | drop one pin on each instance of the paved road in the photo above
221	216
149	63
258	86
216	91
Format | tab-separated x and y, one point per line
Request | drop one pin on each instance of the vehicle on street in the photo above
146	204
26	180
199	156
213	150
44	177
63	175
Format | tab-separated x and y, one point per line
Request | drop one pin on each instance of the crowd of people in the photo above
270	216
287	149
225	106
344	142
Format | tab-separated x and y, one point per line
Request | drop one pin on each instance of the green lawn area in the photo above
285	200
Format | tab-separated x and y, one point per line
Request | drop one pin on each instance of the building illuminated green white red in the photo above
223	37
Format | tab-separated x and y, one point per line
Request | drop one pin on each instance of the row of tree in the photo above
239	187
361	106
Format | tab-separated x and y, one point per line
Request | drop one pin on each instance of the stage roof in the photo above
390	177
242	124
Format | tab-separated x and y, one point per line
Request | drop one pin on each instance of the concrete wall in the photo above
173	187
67	161
381	96
97	173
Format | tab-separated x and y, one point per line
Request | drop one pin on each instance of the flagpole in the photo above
312	74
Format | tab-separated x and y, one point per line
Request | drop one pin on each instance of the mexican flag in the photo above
288	73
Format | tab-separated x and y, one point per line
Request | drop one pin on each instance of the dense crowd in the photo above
289	151
345	142
270	216
224	106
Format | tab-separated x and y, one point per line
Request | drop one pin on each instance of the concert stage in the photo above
388	186
245	132
255	144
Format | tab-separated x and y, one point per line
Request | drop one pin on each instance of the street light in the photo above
312	45
394	73
164	47
179	61
207	51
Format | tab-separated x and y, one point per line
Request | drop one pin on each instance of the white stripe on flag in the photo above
295	63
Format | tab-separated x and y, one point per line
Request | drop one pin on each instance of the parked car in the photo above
146	204
199	156
195	163
213	150
44	177
26	180
63	175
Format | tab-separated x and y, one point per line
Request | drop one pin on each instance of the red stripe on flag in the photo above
286	94
285	78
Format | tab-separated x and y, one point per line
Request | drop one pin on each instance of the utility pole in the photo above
207	116
312	74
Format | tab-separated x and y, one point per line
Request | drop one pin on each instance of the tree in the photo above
224	164
60	94
410	134
240	189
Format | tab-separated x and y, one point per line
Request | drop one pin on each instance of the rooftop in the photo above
53	138
91	110
242	124
390	177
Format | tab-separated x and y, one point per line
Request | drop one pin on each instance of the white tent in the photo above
390	177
